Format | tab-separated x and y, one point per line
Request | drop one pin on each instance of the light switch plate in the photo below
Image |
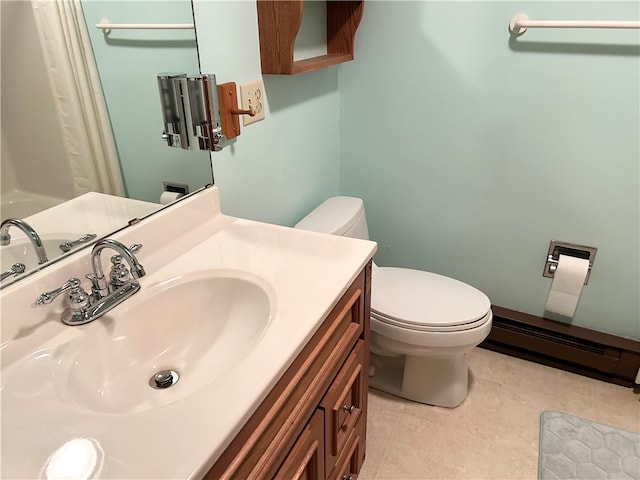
252	98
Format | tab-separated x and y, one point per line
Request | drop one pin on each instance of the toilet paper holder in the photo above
562	248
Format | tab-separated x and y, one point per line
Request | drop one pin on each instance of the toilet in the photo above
422	324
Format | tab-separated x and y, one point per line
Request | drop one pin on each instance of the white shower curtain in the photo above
78	97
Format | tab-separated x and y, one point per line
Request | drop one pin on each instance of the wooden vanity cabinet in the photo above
312	425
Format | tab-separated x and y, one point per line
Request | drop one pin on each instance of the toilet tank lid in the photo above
335	215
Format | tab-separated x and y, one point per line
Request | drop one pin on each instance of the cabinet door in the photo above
347	466
305	461
343	404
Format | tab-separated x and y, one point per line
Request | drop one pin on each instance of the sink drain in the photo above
164	379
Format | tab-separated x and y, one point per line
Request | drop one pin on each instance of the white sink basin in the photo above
199	326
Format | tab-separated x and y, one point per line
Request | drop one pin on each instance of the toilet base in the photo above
439	381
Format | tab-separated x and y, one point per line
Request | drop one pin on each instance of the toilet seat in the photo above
428	328
426	302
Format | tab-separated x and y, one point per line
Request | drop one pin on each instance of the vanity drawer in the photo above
348	465
343	403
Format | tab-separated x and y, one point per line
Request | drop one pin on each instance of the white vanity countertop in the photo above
306	272
91	212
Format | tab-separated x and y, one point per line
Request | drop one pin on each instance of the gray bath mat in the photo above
575	448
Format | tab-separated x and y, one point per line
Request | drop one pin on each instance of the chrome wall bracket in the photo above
190	111
562	248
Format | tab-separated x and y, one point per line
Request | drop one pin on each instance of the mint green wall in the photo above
279	168
128	62
473	150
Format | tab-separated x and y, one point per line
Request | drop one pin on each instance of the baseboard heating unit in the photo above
574	349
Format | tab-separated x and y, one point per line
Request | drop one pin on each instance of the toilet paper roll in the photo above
567	284
168	197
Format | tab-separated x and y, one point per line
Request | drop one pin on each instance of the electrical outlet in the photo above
252	98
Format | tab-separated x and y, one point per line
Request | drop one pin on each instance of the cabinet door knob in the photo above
349	410
347	477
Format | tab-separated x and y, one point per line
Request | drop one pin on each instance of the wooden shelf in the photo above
279	22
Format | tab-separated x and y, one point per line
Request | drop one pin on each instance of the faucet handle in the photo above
78	300
15	270
68	246
119	275
136	272
47	297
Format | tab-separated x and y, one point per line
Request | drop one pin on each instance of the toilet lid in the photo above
423	299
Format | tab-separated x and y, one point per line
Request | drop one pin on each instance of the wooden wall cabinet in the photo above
278	25
312	425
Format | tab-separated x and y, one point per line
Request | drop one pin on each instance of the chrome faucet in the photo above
105	295
101	288
34	238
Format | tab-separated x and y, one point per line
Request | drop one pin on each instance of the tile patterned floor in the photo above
494	433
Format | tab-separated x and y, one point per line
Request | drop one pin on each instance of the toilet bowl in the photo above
422	324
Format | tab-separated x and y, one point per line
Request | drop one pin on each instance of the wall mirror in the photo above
82	152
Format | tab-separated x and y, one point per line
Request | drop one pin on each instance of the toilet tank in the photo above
342	216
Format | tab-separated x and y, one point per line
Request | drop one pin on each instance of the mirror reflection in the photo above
82	152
